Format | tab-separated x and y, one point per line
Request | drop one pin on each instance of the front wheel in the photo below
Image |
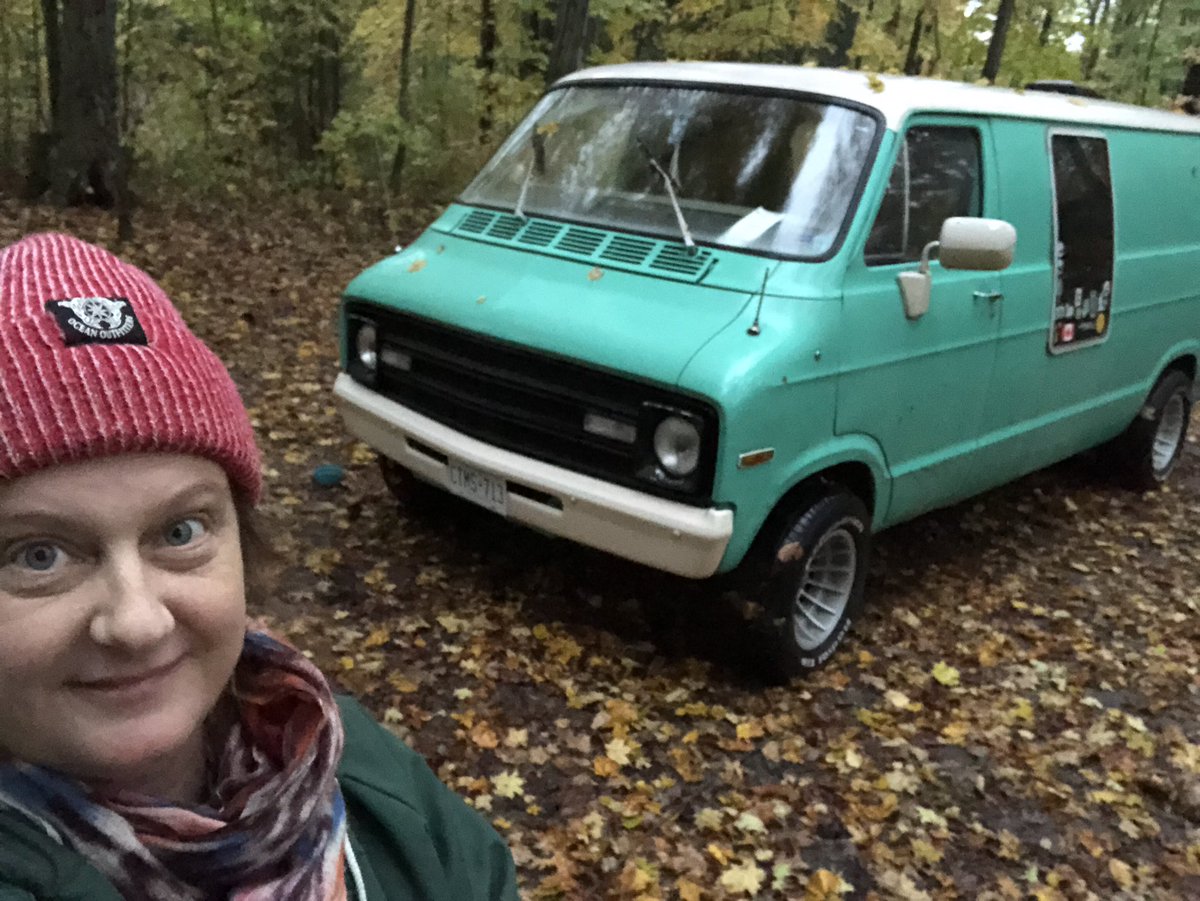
1148	450
815	580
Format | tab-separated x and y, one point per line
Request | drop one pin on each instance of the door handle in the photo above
988	295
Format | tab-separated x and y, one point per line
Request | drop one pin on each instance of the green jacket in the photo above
413	838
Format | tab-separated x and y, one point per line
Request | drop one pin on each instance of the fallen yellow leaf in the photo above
945	674
746	878
747	731
377	638
956	731
485	736
823	885
508	785
1121	872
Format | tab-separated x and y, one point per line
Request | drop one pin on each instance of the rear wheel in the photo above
1149	449
815	573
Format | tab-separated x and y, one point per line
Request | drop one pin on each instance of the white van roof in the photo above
895	96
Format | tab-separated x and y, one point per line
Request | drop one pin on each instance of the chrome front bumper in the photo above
688	541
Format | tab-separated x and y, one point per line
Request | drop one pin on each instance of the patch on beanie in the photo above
97	320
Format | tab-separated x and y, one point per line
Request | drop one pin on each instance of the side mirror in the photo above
985	245
966	242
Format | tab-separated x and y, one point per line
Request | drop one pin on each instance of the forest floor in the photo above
1016	715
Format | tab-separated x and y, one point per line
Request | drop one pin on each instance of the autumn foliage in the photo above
1017	715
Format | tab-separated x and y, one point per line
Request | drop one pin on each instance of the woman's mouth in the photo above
131	682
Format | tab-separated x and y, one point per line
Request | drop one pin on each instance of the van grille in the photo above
525	401
647	255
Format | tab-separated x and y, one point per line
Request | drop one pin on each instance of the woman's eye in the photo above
41	557
184	532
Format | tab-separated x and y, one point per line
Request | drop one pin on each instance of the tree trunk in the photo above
569	49
50	23
1191	81
839	36
892	26
35	61
538	35
486	63
8	63
912	62
647	41
127	67
327	79
1099	13
1004	15
1126	35
1150	51
402	107
934	29
85	161
1047	24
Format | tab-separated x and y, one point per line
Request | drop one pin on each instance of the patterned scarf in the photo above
277	827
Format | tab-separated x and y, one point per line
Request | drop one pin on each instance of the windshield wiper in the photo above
536	161
669	184
519	209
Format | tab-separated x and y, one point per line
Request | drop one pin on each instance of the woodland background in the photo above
1016	715
380	105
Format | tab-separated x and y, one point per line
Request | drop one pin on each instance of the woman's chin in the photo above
135	757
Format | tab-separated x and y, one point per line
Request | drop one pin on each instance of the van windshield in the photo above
771	174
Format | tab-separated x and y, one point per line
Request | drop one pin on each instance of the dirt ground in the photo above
1015	715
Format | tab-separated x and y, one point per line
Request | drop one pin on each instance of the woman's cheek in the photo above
34	635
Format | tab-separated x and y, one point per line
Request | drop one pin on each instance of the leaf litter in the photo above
1017	714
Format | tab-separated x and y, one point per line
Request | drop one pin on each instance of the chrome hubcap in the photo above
1169	436
824	589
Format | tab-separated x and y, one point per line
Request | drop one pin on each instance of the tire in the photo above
815	570
1146	452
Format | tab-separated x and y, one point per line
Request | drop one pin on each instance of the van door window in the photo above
1083	247
936	176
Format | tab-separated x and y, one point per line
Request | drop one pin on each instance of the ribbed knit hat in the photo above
95	361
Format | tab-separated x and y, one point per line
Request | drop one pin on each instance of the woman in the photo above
151	747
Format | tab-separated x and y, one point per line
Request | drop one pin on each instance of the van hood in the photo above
622	321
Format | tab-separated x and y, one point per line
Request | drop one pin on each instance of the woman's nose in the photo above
132	614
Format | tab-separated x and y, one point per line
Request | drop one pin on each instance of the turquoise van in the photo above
733	319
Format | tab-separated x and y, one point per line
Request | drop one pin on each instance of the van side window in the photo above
1083	254
936	176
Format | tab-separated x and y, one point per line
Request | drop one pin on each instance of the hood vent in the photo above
588	245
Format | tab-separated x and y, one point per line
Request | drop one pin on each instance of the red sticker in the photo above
1066	331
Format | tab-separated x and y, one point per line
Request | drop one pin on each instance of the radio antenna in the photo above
762	292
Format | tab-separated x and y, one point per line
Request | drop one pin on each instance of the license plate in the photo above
478	487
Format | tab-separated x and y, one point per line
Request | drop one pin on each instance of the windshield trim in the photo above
746	90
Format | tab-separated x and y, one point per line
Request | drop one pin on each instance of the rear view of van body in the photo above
722	318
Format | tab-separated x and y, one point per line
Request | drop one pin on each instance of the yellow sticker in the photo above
1101	322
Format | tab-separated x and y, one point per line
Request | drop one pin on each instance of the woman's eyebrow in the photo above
201	493
34	518
38	516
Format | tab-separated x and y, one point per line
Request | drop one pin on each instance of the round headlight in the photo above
364	345
677	445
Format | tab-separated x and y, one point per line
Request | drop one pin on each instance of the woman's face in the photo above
122	612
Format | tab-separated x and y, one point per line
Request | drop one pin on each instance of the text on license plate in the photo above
479	487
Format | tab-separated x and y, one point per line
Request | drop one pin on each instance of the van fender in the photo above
857	449
1181	349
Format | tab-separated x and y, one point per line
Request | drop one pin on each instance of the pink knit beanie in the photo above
95	361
